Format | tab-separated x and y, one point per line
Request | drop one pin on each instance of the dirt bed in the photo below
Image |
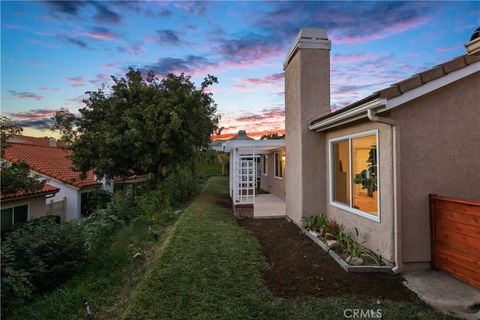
299	267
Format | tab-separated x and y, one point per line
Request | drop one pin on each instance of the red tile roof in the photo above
47	189
49	161
40	141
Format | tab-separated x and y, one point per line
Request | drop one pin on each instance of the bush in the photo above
38	256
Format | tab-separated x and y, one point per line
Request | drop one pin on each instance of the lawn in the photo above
209	267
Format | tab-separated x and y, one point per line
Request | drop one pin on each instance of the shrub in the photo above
331	229
98	227
16	286
315	223
38	256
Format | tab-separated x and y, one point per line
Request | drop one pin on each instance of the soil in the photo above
299	267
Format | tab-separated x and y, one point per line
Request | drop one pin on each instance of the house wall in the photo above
307	96
378	236
440	154
72	195
269	182
36	206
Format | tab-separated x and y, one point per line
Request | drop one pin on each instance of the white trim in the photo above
348	116
342	206
275	166
381	104
433	85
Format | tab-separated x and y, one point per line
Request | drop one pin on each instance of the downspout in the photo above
397	224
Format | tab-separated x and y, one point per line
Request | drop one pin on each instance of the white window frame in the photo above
275	154
265	165
18	204
343	206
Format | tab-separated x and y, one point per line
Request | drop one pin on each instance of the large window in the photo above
13	216
265	165
354	174
278	165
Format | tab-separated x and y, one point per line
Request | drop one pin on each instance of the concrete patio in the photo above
268	206
444	293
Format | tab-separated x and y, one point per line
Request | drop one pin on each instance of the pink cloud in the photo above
448	49
76	81
46	88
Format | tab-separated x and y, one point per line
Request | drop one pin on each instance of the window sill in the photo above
356	211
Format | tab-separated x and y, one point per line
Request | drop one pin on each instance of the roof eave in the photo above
350	115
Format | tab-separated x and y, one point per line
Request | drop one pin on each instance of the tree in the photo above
16	177
272	136
65	123
8	129
142	126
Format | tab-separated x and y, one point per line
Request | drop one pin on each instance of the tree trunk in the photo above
159	174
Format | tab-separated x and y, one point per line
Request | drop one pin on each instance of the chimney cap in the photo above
473	46
308	38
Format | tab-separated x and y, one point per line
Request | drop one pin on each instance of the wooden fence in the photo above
455	228
57	208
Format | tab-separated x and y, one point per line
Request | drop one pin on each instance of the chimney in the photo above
307	96
473	46
52	142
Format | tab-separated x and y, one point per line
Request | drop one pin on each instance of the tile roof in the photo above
49	161
47	189
399	88
40	141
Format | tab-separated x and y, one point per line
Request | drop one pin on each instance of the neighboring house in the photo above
21	206
372	165
52	163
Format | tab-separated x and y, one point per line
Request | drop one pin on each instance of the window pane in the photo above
280	161
20	214
364	168
7	221
341	174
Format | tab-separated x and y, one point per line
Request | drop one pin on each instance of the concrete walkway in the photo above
444	292
268	206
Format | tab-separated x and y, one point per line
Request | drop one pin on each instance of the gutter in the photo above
348	116
397	224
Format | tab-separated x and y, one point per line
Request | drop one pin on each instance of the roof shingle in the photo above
20	194
49	161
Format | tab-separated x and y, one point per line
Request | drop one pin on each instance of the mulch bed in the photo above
299	267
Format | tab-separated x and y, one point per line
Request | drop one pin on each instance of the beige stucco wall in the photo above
36	206
307	95
440	154
378	236
269	182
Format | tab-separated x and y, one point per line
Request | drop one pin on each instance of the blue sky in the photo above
52	52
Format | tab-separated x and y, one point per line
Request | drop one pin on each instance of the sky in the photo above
52	52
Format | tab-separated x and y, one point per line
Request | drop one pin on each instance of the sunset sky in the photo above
52	52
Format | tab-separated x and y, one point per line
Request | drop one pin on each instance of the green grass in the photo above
107	280
211	268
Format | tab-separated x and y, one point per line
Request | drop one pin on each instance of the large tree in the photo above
143	125
8	129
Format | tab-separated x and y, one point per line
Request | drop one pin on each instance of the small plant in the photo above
372	255
315	223
332	229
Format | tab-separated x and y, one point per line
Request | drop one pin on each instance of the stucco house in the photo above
373	165
21	206
51	163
